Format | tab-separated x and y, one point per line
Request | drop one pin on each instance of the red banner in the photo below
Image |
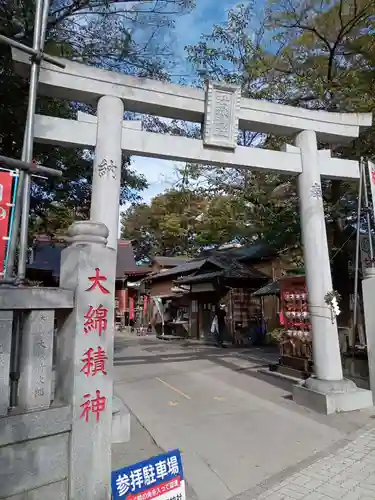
6	180
131	308
122	297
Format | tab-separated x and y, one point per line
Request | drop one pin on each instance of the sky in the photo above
160	173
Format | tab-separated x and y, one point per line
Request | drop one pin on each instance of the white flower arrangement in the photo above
332	300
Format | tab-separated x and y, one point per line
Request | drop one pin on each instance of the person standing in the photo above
167	319
219	324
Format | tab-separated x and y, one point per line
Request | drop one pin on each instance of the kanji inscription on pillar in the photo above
40	351
316	191
41	378
222	109
94	362
96	320
107	167
97	282
93	407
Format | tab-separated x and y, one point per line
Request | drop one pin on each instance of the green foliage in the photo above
326	58
167	226
237	52
314	54
319	55
131	37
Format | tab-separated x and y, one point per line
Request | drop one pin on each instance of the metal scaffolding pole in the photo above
22	202
27	168
27	153
30	51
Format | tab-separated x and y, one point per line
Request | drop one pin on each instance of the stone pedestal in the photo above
330	397
327	392
368	291
106	179
85	358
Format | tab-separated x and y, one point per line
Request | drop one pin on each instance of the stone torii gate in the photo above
223	111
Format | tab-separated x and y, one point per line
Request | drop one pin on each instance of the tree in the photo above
323	51
167	226
205	214
327	62
236	52
134	37
130	37
243	206
319	55
315	54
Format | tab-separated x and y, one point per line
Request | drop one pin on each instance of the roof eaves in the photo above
189	266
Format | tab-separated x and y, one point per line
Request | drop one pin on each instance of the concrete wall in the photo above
34	436
34	455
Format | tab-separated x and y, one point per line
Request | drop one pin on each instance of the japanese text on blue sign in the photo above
157	477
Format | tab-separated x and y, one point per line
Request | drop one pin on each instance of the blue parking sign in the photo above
158	477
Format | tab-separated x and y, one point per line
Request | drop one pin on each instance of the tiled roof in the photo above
221	262
246	253
227	268
125	259
47	257
272	288
170	261
190	266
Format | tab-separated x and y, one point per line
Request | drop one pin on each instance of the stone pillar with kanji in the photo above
85	358
106	175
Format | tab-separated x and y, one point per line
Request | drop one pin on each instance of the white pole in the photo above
106	178
326	349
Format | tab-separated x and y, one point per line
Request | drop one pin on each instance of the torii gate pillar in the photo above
223	111
327	360
327	391
106	177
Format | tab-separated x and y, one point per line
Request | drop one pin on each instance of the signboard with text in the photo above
371	173
158	477
6	180
365	253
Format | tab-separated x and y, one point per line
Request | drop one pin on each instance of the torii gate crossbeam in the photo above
223	111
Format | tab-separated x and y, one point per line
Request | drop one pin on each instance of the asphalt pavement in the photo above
240	435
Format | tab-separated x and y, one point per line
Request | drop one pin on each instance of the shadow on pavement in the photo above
194	352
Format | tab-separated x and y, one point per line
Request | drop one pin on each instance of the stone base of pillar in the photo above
120	422
329	397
